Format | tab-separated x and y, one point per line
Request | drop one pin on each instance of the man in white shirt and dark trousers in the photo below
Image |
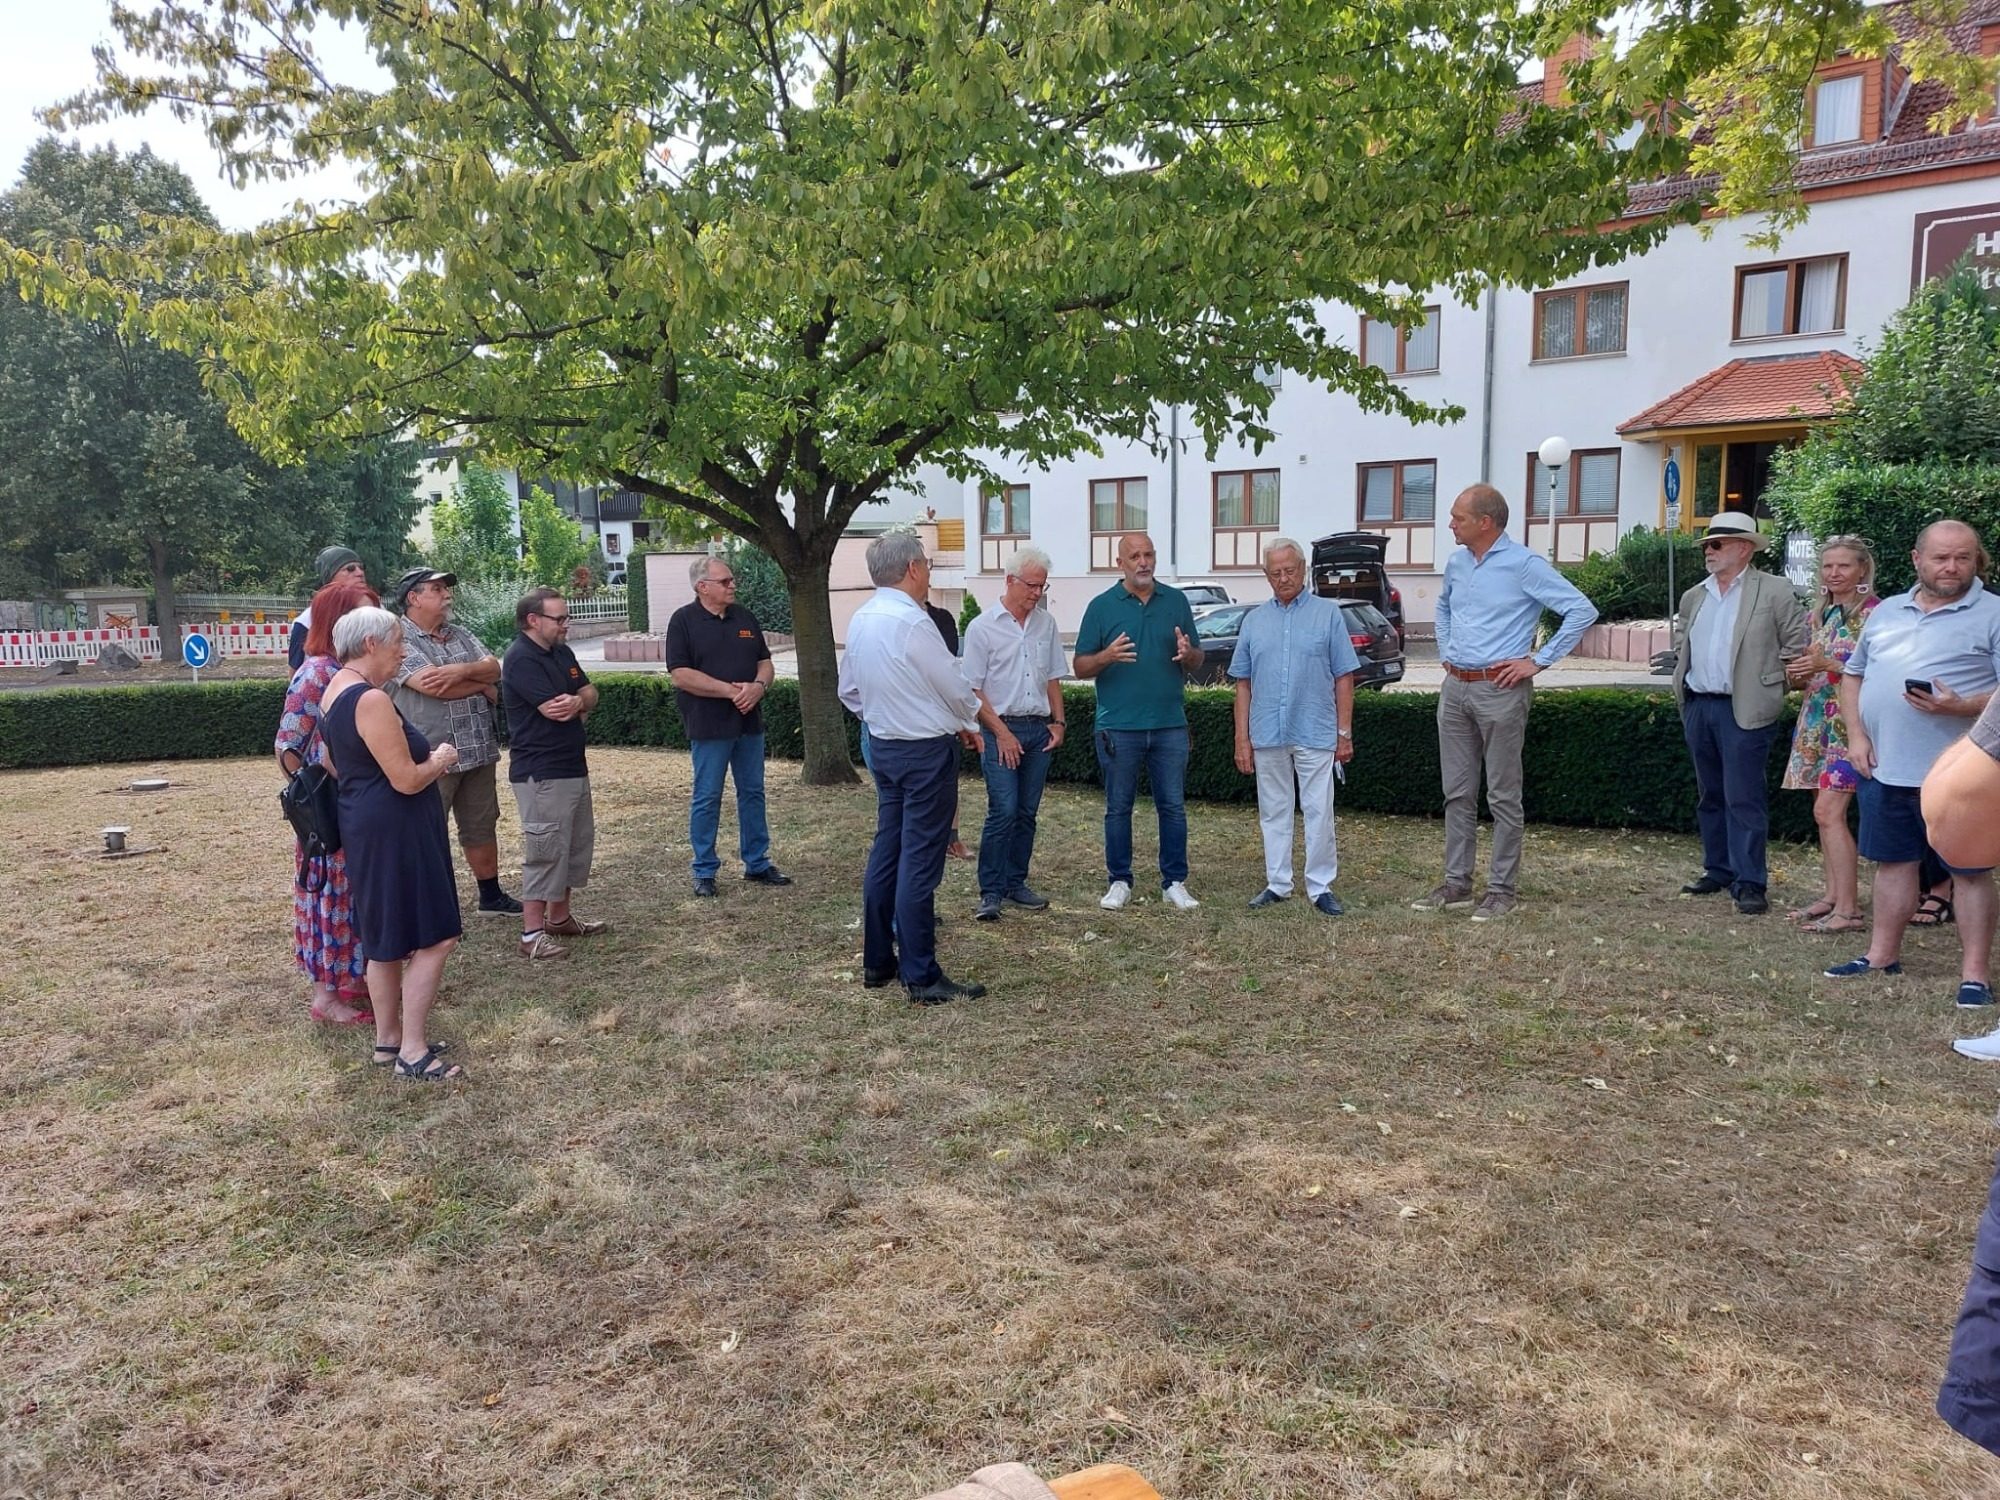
897	676
1014	661
1738	627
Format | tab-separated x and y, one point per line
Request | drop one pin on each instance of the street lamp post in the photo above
1554	453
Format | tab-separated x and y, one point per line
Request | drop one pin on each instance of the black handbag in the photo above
311	804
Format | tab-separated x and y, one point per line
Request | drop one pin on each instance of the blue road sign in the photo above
195	650
1673	482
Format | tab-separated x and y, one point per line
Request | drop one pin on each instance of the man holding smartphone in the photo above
1925	667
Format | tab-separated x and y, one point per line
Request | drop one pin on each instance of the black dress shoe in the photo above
1751	901
878	979
704	885
769	875
1706	885
1265	897
944	990
1328	905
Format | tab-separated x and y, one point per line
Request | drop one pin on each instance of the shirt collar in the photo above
1501	543
1963	601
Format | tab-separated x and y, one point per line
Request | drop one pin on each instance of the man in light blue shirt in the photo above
1926	664
1494	593
1294	672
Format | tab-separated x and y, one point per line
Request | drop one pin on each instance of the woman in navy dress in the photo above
393	834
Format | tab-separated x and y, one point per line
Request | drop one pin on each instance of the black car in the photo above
1374	638
1350	565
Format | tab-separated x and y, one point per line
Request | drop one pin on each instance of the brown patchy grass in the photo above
1260	1204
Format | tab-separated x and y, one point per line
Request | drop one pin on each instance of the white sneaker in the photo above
1177	895
1985	1048
1115	898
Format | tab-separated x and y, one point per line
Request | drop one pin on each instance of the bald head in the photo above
1137	561
1948	558
1478	517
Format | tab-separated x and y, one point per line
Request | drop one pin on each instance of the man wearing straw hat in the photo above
1737	629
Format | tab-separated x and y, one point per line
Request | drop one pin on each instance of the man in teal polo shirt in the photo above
1137	642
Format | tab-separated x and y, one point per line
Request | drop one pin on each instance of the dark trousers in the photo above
916	796
1970	1397
1732	807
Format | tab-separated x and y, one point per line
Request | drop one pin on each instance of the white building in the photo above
1706	351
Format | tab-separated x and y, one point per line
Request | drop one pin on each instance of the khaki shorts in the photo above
558	836
472	798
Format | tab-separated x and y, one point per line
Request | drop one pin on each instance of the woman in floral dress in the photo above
323	936
1819	761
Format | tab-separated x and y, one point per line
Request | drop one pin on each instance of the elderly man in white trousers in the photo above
1294	673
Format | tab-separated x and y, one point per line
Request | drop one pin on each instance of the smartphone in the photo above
1918	685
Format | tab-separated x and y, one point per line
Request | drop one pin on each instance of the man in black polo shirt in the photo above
547	698
722	669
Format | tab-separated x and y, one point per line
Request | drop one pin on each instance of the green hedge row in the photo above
1598	757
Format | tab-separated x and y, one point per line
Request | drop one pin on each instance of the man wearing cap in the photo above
447	687
333	565
1737	629
721	669
1494	593
1923	670
548	698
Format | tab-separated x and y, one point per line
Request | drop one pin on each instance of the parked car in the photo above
1350	565
1199	594
1374	639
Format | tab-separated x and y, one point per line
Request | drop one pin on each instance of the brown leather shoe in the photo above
575	926
541	945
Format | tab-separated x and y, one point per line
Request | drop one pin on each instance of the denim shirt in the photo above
1291	654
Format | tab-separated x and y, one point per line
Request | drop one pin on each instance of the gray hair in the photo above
1282	544
890	556
1028	557
358	629
698	569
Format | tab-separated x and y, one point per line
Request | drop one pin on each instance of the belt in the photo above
1482	674
1030	718
1709	697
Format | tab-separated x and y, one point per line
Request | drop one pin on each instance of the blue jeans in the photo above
1164	755
1731	799
743	758
1013	799
916	791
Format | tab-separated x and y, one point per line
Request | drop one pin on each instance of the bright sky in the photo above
46	58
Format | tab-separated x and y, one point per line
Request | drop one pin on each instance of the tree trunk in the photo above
820	713
163	599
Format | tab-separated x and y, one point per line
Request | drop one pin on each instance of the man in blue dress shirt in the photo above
1494	593
898	678
1294	672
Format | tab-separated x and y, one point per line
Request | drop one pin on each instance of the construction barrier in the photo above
44	648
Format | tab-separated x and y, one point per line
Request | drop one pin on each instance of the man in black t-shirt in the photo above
722	669
547	698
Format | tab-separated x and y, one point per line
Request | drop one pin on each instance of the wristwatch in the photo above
1346	734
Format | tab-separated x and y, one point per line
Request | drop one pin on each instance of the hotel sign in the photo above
1942	237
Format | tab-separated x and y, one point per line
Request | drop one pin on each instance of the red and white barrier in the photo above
43	648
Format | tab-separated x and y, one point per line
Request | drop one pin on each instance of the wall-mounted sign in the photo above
1801	559
1942	237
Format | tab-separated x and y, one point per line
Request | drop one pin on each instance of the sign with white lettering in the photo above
1801	559
1942	237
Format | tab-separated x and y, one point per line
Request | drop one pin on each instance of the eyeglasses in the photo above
1033	588
1716	544
561	619
721	583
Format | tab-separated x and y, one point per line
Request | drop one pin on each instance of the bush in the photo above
1595	757
485	606
1814	490
636	617
760	586
967	613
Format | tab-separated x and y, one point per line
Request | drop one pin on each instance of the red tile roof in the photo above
1764	388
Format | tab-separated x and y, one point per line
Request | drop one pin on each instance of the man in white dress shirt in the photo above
897	676
1014	660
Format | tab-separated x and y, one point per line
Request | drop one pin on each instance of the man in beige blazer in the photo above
1736	630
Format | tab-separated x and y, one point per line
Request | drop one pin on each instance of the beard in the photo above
1941	589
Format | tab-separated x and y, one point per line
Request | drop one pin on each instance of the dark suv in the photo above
1374	640
1349	565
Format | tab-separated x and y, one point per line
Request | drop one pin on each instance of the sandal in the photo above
1820	909
1932	911
387	1052
430	1068
1837	921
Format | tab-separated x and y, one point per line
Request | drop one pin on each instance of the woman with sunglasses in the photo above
1819	762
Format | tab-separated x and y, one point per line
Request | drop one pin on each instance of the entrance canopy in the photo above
1765	390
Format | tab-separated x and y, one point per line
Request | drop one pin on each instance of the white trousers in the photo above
1284	773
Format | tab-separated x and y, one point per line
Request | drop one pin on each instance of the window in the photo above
1580	320
1116	507
1585	486
1245	515
1401	351
1399	493
1796	296
1837	110
1006	511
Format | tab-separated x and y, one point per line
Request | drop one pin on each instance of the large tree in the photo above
756	258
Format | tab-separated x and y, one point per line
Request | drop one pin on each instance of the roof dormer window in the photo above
1837	110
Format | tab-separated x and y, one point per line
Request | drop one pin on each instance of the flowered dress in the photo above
1819	744
323	937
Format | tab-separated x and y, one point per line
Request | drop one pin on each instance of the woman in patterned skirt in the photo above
1819	761
323	938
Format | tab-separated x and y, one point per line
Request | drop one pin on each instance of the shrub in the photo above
1597	757
967	613
636	617
485	606
760	586
1815	491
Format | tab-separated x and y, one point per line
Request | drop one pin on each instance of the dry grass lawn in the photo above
1615	1199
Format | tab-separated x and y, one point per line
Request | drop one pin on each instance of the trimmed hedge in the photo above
1596	757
